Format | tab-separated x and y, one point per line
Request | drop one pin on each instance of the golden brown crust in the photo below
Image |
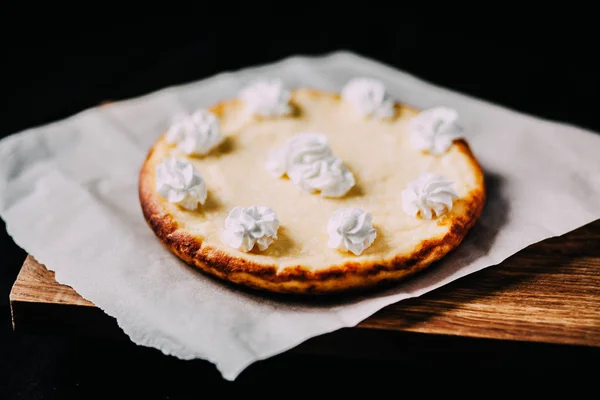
299	279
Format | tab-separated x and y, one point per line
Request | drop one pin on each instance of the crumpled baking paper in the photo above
68	194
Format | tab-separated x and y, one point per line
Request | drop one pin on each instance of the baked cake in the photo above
310	192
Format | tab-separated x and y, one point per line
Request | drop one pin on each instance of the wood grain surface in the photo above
546	293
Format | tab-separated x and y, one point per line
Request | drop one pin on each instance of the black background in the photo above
544	64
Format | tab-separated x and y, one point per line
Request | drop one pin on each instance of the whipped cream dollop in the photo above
350	229
368	97
266	97
328	176
301	149
430	196
246	227
180	183
195	134
434	130
307	159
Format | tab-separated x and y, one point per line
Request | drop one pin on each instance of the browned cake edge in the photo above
299	279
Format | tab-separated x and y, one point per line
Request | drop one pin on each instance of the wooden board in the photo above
547	293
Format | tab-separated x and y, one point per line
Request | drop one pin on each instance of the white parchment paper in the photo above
68	194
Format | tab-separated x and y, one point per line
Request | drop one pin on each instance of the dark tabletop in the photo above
545	65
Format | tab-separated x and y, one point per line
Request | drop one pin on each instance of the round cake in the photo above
310	192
